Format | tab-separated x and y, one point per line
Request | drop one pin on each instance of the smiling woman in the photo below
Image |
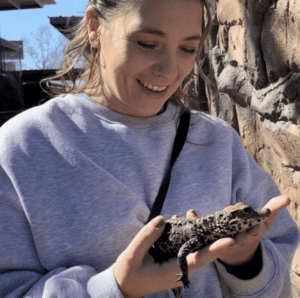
79	174
137	53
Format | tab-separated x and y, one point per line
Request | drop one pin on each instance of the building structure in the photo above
24	4
11	54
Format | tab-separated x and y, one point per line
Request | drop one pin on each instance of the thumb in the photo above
275	205
142	242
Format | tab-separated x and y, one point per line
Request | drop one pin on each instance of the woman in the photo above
79	174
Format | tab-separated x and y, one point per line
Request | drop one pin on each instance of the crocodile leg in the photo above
190	246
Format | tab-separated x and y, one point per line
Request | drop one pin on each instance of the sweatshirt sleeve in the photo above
21	271
255	187
22	275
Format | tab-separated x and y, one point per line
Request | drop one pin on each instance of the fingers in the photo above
139	246
278	203
240	250
254	234
210	253
275	205
232	250
255	230
221	245
192	214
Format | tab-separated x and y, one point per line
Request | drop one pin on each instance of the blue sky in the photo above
16	24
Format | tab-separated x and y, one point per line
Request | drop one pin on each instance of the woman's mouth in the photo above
152	88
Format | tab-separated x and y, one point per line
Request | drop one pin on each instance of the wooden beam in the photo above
39	2
15	4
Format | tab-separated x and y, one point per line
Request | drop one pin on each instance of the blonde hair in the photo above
79	48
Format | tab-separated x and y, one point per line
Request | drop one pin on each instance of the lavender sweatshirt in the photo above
77	182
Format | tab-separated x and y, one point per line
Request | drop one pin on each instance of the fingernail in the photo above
158	221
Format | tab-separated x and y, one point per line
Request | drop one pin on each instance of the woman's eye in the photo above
193	51
153	46
147	46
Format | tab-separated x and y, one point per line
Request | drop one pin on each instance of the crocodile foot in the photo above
184	279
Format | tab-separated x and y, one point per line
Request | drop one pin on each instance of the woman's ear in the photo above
92	23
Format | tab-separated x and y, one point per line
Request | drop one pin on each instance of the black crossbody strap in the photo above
179	141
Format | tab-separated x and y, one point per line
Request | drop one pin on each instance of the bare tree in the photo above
44	48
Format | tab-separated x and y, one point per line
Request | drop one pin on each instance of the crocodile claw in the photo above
184	280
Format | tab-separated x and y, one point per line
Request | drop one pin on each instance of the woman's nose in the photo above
166	66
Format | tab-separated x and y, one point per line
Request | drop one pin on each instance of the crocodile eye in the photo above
235	213
233	222
248	210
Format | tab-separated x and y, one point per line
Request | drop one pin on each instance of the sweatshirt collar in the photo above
168	115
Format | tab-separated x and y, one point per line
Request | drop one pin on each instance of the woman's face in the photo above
152	46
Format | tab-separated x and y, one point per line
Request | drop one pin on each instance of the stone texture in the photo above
229	10
236	44
280	31
276	102
267	119
254	52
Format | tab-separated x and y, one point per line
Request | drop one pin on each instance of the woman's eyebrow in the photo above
149	30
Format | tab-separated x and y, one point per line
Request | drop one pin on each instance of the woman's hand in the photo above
136	273
244	245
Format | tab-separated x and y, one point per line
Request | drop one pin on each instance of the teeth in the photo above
154	88
161	88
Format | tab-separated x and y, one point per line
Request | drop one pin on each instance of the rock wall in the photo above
254	54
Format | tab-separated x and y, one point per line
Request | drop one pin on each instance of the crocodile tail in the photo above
177	292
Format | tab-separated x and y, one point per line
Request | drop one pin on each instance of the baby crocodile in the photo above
183	236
